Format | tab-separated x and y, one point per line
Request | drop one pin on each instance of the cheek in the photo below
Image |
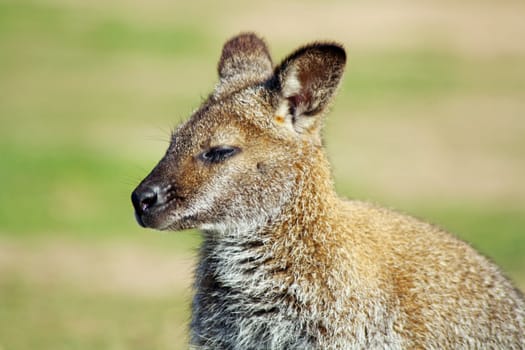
239	188
204	183
262	186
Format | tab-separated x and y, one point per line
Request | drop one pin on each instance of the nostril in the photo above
144	199
148	200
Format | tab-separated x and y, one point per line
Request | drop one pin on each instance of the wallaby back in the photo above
285	263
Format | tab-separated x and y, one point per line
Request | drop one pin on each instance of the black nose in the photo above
144	199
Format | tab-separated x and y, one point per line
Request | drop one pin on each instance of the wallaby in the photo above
287	264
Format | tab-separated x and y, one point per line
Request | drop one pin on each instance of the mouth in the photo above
152	217
154	206
172	220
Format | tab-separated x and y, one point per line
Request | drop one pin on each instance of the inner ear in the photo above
244	59
309	77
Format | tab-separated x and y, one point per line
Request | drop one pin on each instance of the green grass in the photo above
65	190
89	30
392	78
60	317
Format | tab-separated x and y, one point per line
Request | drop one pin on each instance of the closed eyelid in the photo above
218	154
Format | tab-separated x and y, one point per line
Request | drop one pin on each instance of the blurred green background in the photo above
430	120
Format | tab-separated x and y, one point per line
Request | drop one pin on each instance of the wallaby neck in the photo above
254	272
288	246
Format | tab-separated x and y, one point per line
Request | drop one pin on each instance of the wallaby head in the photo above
241	156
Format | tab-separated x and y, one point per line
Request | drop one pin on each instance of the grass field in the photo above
430	120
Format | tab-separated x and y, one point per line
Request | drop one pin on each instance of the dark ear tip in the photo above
329	50
333	50
245	37
245	42
340	51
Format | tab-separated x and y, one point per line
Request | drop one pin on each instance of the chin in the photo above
174	222
172	219
180	225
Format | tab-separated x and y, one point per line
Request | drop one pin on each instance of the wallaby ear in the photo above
308	79
244	59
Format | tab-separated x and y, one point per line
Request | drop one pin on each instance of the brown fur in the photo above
285	263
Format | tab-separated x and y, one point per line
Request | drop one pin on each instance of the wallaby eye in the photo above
219	153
